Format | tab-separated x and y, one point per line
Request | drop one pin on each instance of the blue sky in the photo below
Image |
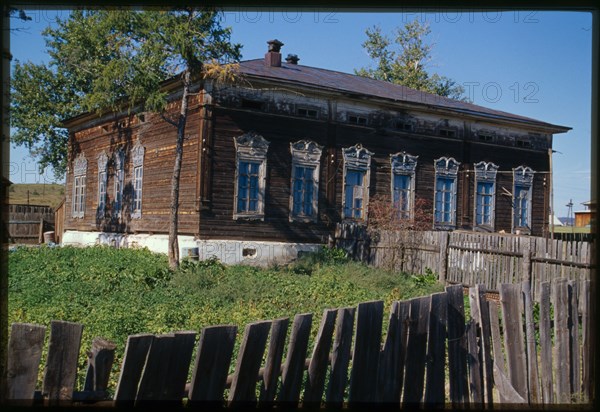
535	64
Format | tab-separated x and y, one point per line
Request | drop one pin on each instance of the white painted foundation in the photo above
230	252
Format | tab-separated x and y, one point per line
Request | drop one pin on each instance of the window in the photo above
79	180
404	125
403	180
119	162
447	132
102	178
485	195
359	120
444	212
522	182
304	198
250	175
252	104
485	137
304	112
137	157
357	165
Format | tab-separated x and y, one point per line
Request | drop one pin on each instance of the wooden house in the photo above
273	162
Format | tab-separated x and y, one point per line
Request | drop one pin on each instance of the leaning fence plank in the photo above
100	360
508	394
24	354
416	350
317	368
365	358
134	359
436	354
268	387
475	378
293	368
532	358
546	344
510	296
584	304
481	314
561	339
457	347
178	366
153	380
392	357
243	385
497	347
340	356
575	370
61	365
211	366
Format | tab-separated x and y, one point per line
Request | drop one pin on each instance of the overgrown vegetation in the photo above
119	292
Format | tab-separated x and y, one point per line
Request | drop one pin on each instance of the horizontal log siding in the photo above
158	138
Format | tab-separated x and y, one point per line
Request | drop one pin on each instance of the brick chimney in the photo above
292	59
273	57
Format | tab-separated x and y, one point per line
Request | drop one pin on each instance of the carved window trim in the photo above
251	148
102	182
137	179
403	164
445	168
305	153
119	182
357	158
523	179
485	172
79	186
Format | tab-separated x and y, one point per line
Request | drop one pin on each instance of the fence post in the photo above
526	260
443	260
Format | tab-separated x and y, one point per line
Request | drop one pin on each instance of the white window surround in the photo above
306	153
102	181
119	162
252	148
523	177
485	172
357	158
446	168
79	181
405	164
137	160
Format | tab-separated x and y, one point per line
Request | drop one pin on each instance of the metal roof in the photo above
358	85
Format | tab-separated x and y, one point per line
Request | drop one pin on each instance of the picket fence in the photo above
469	258
432	354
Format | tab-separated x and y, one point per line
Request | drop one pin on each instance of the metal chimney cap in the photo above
292	59
274	45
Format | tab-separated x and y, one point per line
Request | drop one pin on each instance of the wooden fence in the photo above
469	258
27	223
432	353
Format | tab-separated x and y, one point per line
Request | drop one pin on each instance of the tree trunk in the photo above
174	218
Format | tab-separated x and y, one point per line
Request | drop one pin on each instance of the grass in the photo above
118	292
39	194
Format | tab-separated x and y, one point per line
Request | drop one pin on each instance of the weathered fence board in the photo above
586	348
243	386
561	339
573	322
268	388
134	359
457	346
61	366
319	361
393	354
293	368
416	350
211	366
436	351
545	344
365	359
178	365
530	345
24	355
510	296
475	367
340	356
153	383
100	360
481	314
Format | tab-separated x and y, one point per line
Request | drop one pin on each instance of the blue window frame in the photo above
521	206
354	194
248	186
484	205
522	188
444	199
402	194
303	191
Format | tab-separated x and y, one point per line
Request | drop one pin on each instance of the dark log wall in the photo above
158	138
217	220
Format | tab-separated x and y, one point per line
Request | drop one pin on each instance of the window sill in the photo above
440	226
300	219
238	216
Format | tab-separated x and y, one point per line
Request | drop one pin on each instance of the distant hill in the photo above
39	194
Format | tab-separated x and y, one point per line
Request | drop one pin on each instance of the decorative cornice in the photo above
357	156
137	153
251	144
102	161
80	165
446	166
485	171
523	175
306	151
403	162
